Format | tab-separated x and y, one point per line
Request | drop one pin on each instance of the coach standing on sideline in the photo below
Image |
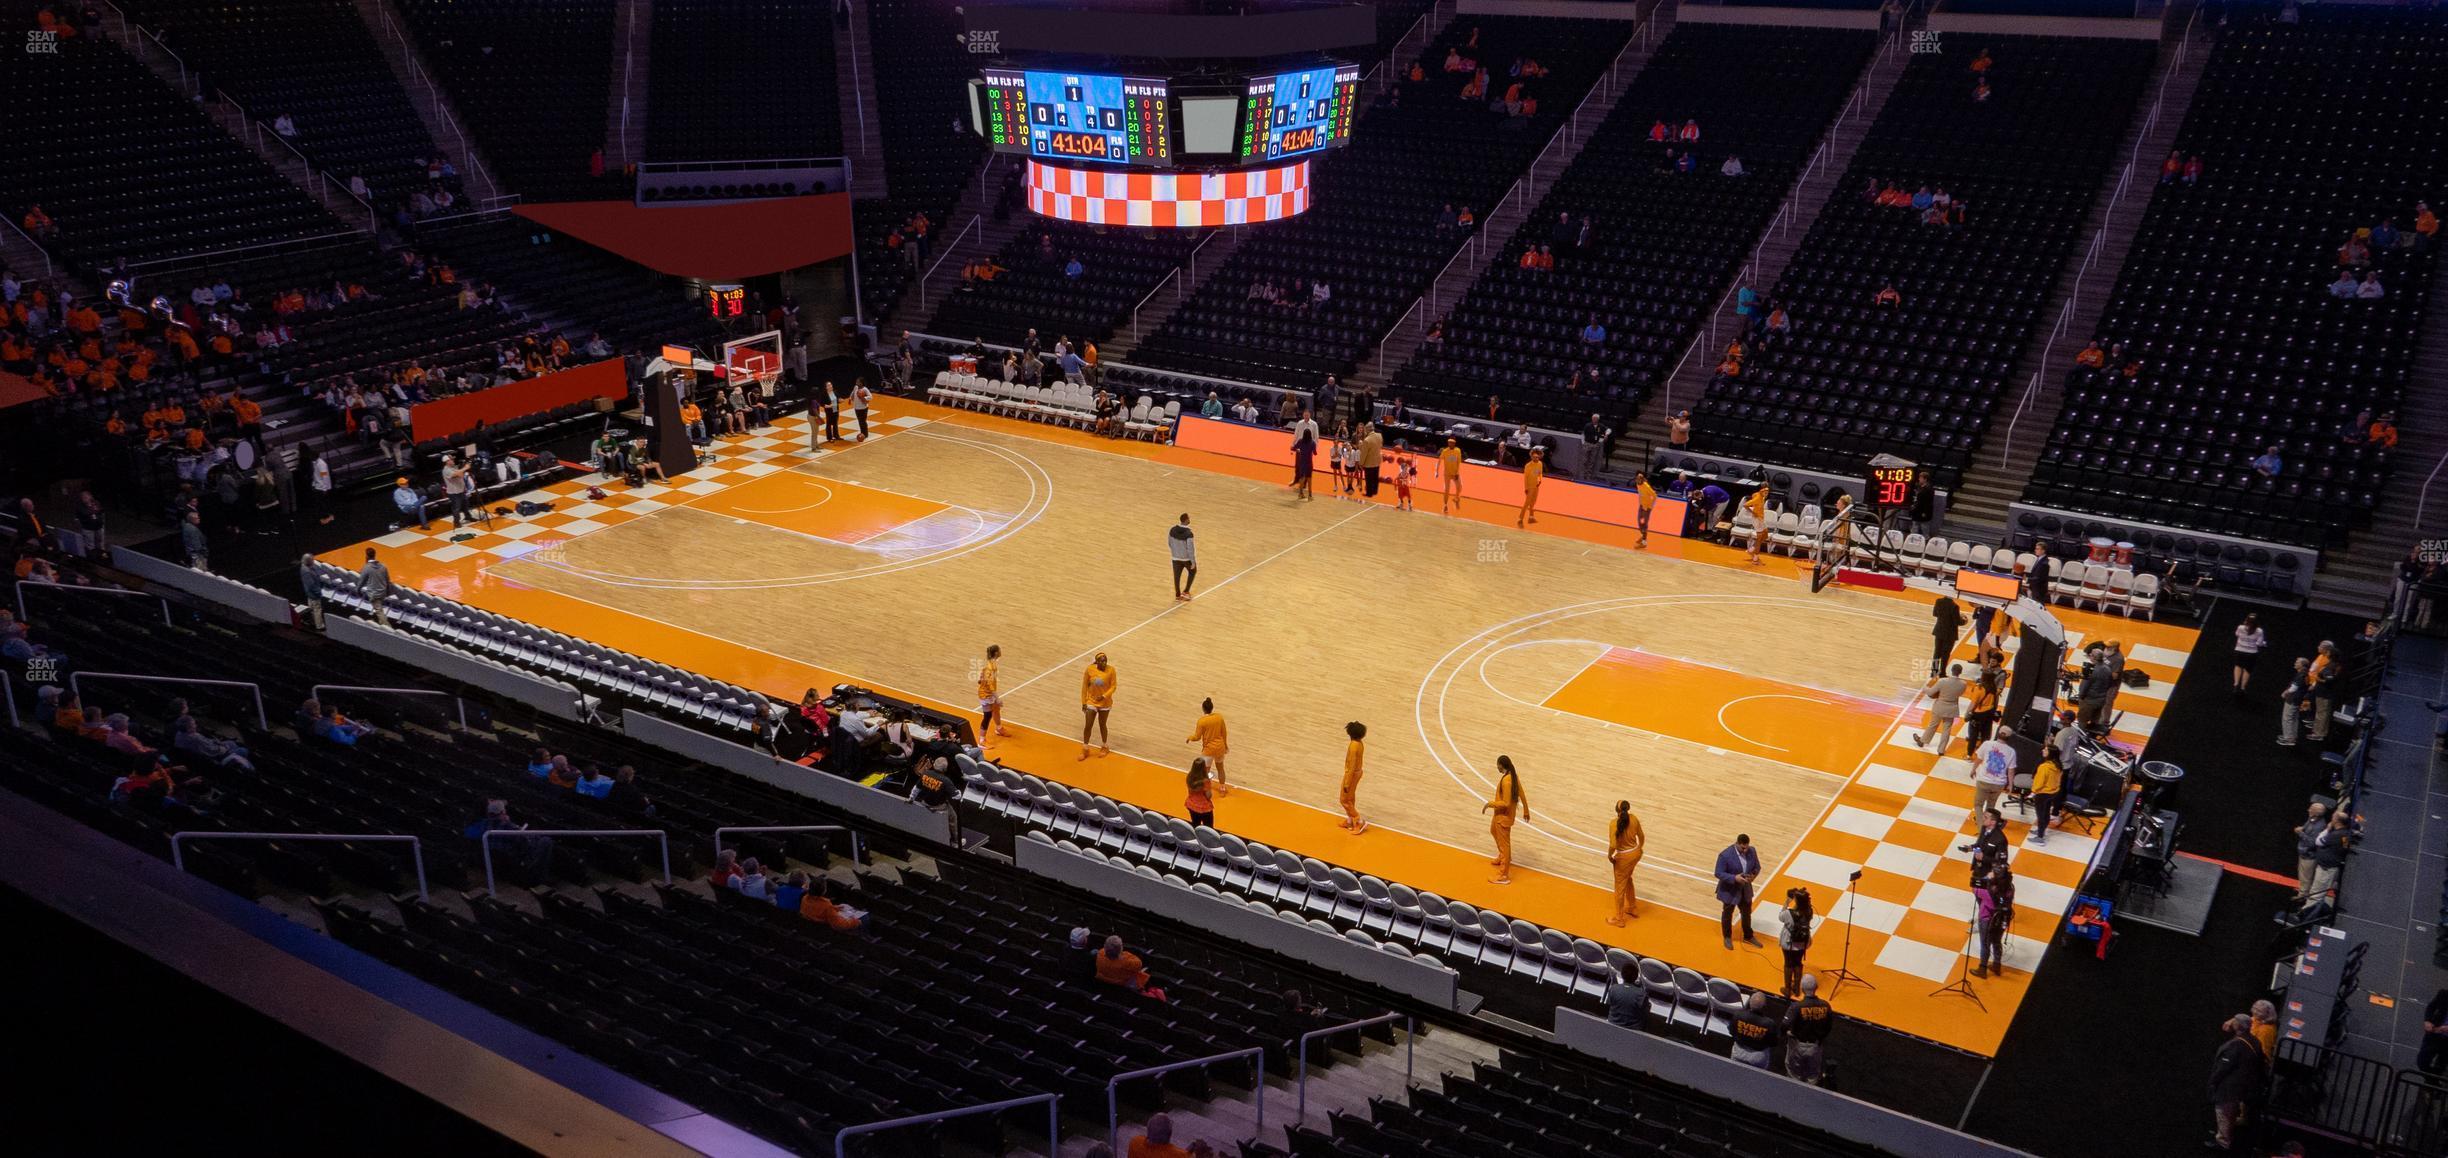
1948	620
1737	867
1185	558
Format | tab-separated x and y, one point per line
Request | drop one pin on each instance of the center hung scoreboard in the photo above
1194	149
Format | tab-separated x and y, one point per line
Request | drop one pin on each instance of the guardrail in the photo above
433	92
262	721
22	584
1173	279
1053	1121
1113	1105
661	838
456	701
49	270
1300	1115
2424	496
977	222
856	844
416	848
219	255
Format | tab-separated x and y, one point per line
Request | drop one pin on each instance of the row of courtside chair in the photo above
2076	583
1064	403
1335	901
500	638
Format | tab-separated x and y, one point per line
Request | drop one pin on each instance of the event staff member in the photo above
937	784
1807	1023
1946	618
1096	704
2047	789
1738	866
1754	1032
1184	546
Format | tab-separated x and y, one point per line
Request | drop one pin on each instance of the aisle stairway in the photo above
2020	424
1776	246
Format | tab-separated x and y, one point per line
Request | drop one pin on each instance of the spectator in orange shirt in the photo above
820	907
2383	433
1158	1141
1116	965
1888	297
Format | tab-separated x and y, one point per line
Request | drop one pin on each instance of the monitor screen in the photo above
1208	123
1069	116
1291	113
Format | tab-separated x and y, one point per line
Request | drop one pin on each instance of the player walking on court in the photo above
1757	504
1096	704
1449	476
1532	472
1648	502
990	693
1508	805
1625	843
1185	558
1406	472
1353	822
1208	734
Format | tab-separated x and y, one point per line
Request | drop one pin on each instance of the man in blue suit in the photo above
1737	867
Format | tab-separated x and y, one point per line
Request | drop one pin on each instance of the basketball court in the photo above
1715	696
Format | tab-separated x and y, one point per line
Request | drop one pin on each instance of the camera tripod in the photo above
1963	977
1841	974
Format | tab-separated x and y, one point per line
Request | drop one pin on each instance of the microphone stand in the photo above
1842	974
1963	978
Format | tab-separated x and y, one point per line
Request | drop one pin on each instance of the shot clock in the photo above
1893	482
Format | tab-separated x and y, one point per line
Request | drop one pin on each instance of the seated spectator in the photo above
2172	169
726	871
2193	169
792	890
329	725
1116	965
751	881
594	783
525	858
562	776
1593	333
626	795
2346	286
820	907
2426	226
540	765
1244	410
118	739
1888	297
2383	432
1157	1142
1213	407
2370	289
192	740
1733	167
2091	356
2356	252
1627	1004
2269	465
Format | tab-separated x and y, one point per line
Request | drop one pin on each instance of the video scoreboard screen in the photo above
1292	113
1069	116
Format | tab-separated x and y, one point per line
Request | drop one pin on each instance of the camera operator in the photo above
1796	938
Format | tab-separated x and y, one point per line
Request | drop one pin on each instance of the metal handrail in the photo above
1053	1121
2424	496
1191	262
1113	1105
416	848
855	842
1173	278
372	220
220	254
1410	1052
977	221
661	837
456	700
48	269
262	722
21	590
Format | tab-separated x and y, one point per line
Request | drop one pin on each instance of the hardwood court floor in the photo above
1715	698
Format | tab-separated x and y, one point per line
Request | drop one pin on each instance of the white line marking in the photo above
1073	662
1729	728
